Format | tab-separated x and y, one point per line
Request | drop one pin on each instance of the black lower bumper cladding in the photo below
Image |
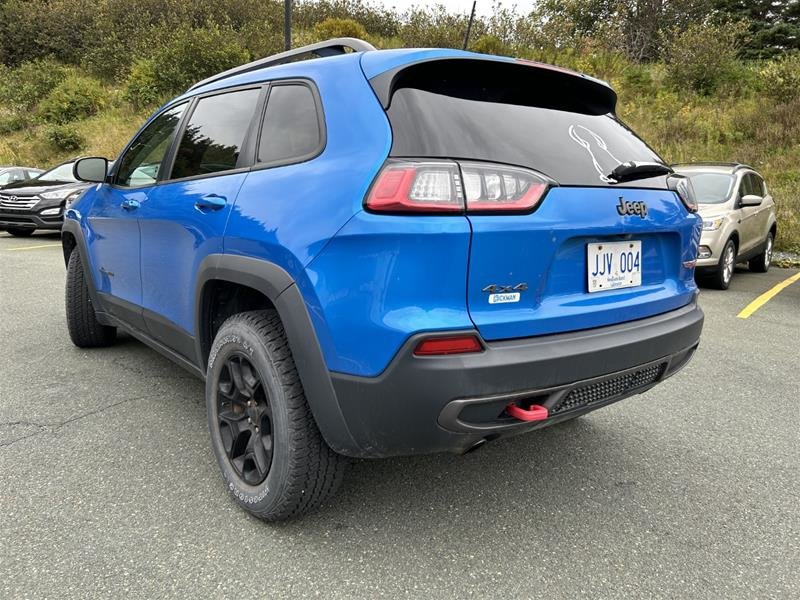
449	403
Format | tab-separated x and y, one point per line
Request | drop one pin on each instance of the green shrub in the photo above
65	138
143	87
13	121
703	57
187	57
489	44
334	28
76	97
780	79
22	88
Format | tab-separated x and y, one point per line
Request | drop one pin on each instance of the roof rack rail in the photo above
330	47
734	165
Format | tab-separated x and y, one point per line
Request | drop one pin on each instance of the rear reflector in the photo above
410	186
461	344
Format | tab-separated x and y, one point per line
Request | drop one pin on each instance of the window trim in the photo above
321	126
249	144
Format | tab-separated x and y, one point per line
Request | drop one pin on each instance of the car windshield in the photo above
711	188
59	173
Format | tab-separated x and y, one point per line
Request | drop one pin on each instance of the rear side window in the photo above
215	134
292	129
560	125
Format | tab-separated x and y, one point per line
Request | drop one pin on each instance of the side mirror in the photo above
750	200
93	169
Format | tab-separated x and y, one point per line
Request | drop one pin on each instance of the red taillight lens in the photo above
489	188
417	187
461	344
436	187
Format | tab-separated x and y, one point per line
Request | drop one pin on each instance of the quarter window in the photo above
140	164
291	130
215	134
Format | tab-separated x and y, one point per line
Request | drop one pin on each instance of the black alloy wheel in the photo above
244	419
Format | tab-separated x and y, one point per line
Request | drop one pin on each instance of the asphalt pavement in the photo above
109	488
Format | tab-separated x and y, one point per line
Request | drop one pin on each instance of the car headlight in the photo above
56	194
72	197
713	224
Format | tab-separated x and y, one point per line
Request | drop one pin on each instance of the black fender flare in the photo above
281	289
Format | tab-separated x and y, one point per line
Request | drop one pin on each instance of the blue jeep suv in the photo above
374	253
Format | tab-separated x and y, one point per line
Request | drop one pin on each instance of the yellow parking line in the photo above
33	247
767	296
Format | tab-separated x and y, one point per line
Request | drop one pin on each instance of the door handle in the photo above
211	202
130	204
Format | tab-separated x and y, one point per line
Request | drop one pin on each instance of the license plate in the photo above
614	265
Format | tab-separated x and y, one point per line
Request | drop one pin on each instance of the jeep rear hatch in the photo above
529	152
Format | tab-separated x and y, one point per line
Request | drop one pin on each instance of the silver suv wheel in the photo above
728	263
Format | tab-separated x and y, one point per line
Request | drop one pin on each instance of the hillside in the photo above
696	101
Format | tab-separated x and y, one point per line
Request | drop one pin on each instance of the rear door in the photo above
543	270
183	220
764	210
748	231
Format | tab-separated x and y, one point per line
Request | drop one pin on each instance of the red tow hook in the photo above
536	412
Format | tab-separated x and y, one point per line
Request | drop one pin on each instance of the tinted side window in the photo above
291	127
140	164
215	134
745	186
758	186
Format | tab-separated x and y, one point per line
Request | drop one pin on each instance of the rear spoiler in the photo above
522	82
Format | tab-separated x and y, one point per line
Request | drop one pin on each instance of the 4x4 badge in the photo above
635	207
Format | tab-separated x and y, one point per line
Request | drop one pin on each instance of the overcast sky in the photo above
459	6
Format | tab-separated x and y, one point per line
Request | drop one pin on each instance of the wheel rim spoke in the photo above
244	419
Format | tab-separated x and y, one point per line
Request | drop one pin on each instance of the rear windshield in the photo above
711	188
514	121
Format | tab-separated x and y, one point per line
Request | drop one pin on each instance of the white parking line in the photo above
34	247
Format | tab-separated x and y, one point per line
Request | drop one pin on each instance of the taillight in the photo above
405	186
449	187
440	346
682	185
489	188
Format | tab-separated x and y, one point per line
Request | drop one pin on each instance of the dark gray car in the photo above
39	202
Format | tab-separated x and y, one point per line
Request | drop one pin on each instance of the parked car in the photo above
38	203
379	253
739	222
9	175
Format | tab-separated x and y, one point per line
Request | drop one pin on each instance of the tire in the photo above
760	263
273	459
722	275
85	330
20	231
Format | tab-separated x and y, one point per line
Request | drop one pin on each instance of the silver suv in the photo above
739	221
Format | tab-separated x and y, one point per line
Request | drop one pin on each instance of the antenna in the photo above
469	24
287	24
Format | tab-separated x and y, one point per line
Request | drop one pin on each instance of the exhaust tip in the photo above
474	446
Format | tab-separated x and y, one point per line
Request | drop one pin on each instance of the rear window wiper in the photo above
628	171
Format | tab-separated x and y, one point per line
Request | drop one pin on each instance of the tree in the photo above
774	25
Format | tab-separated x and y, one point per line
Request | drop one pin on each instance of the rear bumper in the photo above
450	403
23	220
